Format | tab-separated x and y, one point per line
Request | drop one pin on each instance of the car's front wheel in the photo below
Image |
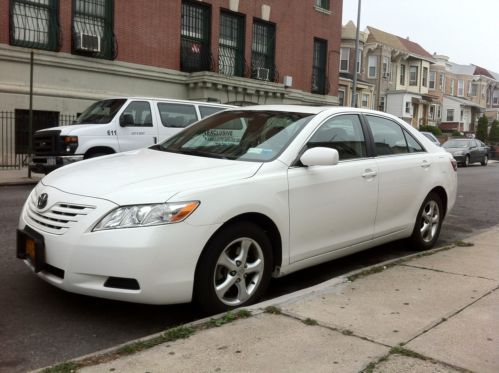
485	160
234	269
428	223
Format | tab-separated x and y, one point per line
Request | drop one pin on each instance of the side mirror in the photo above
126	120
320	157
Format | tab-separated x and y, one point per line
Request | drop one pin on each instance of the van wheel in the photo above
234	269
428	223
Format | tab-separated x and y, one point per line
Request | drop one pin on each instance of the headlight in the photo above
459	152
146	215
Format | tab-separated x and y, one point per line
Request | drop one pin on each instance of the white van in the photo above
115	125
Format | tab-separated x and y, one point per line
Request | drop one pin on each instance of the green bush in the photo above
457	134
494	132
482	129
433	129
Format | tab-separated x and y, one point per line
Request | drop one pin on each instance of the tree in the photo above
482	129
494	132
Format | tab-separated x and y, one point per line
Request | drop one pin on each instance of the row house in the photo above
399	68
464	93
228	51
492	111
347	69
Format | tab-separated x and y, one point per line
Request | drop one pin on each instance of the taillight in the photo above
454	164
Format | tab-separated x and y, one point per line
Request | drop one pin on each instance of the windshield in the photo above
456	144
100	112
243	135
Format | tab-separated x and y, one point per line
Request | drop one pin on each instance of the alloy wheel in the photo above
430	219
239	271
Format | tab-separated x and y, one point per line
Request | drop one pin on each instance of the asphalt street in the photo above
41	325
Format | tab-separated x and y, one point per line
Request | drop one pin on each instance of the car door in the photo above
333	207
136	129
404	169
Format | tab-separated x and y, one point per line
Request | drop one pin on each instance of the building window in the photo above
319	67
386	67
195	37
408	107
372	64
262	51
433	76
439	112
359	61
450	115
324	4
93	28
496	100
473	89
34	24
424	78
365	100
341	98
344	59
402	74
432	112
460	88
231	44
413	75
452	87
382	103
442	82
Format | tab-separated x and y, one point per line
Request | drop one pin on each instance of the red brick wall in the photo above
4	21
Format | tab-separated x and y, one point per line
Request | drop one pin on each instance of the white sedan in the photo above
211	214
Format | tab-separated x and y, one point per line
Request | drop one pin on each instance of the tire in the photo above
466	162
240	278
485	160
428	223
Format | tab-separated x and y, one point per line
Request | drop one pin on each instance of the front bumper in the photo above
161	259
47	164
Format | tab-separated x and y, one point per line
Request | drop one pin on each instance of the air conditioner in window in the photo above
262	73
88	42
386	75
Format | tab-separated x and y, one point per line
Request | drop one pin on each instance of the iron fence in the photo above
14	134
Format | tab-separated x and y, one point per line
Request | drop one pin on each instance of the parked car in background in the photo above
468	151
431	137
113	126
213	212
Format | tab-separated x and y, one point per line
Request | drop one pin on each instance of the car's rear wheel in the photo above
234	269
485	160
428	223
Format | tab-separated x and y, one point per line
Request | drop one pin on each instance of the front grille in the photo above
122	283
59	218
45	142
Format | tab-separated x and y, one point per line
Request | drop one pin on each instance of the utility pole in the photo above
356	59
30	121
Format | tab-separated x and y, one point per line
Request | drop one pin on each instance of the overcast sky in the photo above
466	31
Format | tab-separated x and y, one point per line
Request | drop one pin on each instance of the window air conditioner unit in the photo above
386	75
88	42
262	73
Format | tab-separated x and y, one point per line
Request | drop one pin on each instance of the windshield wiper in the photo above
201	153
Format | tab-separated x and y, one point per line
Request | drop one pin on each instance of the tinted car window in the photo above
343	133
177	115
139	112
388	136
208	110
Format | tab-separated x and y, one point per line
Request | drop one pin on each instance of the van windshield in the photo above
101	112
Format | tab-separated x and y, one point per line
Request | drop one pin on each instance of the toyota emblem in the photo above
42	200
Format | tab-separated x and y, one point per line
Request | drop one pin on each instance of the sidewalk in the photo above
436	311
18	177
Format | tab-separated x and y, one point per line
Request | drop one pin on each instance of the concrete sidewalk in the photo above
436	311
18	177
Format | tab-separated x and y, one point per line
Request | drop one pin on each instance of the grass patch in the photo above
229	317
366	272
171	335
273	310
310	322
62	368
463	243
399	350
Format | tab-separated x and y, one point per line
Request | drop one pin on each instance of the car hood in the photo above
146	176
80	129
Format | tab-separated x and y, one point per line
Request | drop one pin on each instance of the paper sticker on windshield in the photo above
259	151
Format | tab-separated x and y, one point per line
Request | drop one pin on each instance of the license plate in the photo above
50	161
30	250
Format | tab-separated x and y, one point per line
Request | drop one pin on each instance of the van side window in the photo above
137	114
177	115
208	110
343	133
388	136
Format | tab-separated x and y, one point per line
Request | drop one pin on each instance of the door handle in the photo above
425	164
155	139
369	174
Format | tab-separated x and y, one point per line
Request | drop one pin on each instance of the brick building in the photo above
236	51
